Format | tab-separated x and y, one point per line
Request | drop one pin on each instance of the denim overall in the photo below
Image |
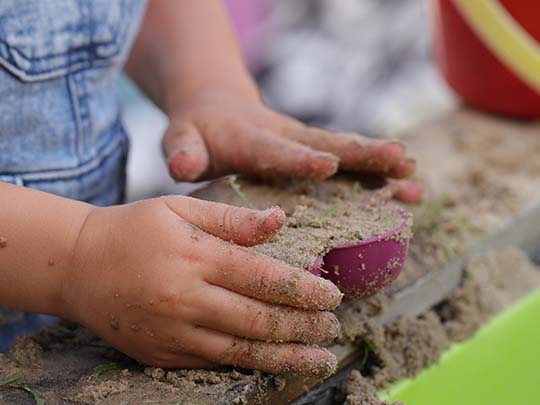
60	128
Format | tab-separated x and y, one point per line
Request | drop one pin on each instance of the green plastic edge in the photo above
499	365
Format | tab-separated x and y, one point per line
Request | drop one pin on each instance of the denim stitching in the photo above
87	48
54	73
76	115
12	180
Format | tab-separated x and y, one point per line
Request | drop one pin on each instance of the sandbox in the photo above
479	174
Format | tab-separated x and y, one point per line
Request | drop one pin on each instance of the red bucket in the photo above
488	53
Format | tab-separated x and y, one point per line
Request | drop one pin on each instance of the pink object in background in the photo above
247	17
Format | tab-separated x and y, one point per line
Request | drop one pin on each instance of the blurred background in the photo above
356	65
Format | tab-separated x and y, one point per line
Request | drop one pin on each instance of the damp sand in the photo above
320	215
404	348
59	364
314	230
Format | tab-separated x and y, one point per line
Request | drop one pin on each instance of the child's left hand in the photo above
219	133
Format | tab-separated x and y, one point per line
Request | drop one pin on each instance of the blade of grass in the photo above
231	181
11	380
331	211
356	187
14	378
364	357
103	368
35	395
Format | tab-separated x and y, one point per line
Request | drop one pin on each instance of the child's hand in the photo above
160	281
218	134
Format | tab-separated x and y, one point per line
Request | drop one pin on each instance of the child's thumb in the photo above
242	226
185	152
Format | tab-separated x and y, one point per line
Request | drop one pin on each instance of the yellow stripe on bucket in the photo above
504	37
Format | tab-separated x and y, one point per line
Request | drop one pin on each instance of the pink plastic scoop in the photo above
364	268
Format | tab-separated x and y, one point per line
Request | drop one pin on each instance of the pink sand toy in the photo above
364	268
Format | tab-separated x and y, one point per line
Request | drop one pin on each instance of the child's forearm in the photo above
187	61
37	234
184	49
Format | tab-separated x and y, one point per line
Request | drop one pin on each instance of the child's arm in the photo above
38	232
185	49
187	60
158	280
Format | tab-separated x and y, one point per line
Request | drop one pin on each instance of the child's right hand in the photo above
161	282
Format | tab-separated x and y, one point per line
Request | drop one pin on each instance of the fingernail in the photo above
269	222
320	363
399	145
410	161
404	168
334	327
325	168
179	151
262	215
415	187
415	190
331	158
268	213
408	192
411	165
331	296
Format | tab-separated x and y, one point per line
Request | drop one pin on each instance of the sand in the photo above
313	234
476	173
320	215
59	364
315	229
359	391
404	348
